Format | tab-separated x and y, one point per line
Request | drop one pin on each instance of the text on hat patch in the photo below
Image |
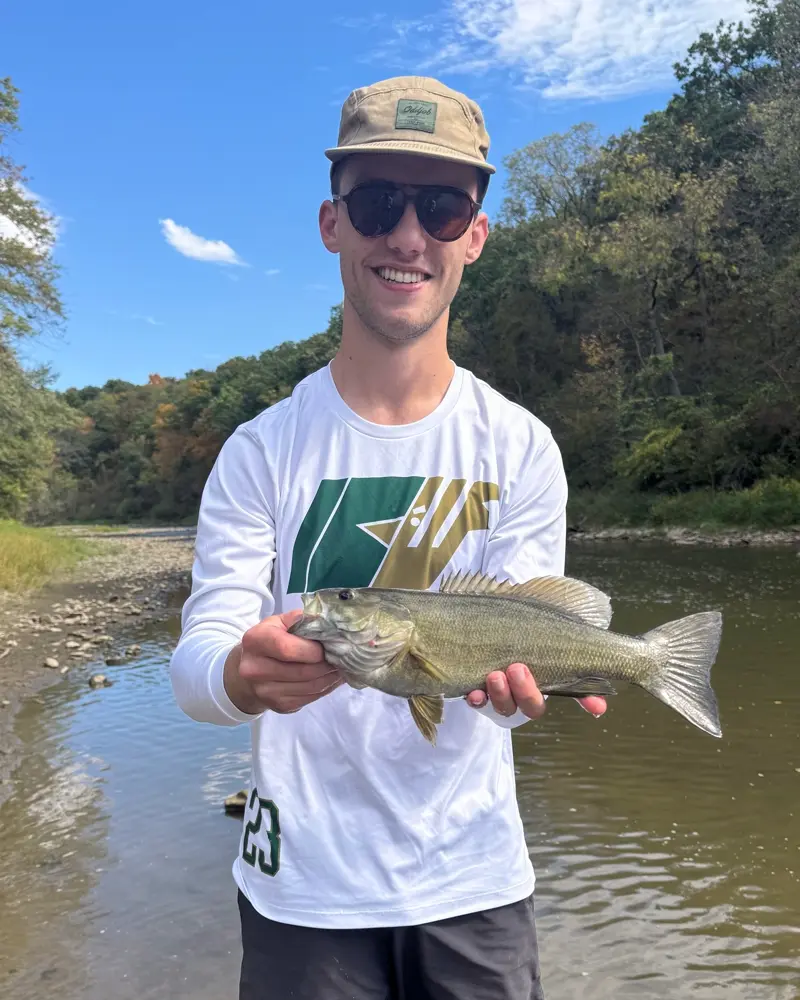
417	115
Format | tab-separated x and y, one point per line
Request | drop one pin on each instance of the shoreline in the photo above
717	538
93	613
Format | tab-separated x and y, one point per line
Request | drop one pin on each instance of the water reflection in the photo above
667	861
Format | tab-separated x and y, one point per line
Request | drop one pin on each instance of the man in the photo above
371	864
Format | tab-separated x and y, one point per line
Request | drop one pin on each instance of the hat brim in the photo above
427	149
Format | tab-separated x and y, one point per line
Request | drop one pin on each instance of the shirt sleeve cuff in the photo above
220	695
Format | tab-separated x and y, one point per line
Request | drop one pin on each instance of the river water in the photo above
668	862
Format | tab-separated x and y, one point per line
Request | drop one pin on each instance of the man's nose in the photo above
408	237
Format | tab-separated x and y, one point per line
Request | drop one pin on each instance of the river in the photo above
668	862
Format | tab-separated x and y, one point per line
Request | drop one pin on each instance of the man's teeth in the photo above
406	277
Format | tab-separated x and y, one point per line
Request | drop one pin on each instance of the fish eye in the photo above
345	595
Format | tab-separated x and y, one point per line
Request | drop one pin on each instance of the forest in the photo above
640	294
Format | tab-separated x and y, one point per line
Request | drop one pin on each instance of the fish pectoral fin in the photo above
427	712
580	687
427	665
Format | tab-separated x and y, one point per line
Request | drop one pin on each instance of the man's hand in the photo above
272	669
515	688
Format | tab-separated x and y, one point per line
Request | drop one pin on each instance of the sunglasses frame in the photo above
419	190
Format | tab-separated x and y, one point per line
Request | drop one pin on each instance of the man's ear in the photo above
477	238
329	225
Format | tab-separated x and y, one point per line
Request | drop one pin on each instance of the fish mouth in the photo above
312	606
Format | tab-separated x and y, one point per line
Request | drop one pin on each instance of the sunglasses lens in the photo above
375	211
445	214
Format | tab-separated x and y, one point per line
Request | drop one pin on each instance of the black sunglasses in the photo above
376	207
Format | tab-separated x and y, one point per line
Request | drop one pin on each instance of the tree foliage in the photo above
641	295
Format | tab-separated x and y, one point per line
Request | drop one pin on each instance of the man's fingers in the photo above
593	704
291	698
499	692
270	639
265	668
524	691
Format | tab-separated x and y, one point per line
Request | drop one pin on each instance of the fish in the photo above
431	645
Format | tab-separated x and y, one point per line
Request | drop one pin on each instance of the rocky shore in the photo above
722	538
90	618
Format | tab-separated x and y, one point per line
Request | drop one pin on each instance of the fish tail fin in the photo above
684	681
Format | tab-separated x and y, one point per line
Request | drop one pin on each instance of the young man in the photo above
373	865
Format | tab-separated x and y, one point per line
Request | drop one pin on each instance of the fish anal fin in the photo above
564	593
427	712
579	687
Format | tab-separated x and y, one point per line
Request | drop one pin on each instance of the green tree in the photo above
29	299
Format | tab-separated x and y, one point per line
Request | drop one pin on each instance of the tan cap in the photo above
413	114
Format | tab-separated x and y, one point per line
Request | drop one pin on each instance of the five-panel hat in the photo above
413	114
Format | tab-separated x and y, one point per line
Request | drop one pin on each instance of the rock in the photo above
133	650
64	669
114	660
99	680
51	662
71	644
5	702
235	803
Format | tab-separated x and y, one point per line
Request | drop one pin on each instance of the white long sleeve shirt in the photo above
355	820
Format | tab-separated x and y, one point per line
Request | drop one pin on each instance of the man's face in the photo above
399	311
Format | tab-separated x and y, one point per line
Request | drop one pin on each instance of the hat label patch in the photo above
417	115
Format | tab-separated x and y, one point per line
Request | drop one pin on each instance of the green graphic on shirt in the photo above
250	853
385	531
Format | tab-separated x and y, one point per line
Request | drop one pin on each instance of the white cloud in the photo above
272	271
589	48
9	229
565	49
197	247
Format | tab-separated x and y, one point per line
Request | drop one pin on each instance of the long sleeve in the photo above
231	579
529	539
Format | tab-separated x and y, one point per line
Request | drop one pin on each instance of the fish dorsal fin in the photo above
573	597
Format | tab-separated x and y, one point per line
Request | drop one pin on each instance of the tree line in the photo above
641	295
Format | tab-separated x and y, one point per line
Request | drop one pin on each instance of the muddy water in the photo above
668	862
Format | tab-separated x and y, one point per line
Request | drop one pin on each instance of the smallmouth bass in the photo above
427	646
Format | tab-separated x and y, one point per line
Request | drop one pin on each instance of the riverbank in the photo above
719	537
89	618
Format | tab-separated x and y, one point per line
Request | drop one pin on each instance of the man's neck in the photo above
389	383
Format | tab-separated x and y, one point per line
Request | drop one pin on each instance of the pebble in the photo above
99	680
51	662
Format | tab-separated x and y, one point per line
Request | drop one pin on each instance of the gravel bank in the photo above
90	617
724	538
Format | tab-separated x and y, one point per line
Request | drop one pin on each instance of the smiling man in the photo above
373	865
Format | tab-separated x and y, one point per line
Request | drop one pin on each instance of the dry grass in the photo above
30	557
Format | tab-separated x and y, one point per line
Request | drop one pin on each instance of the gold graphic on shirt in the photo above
416	562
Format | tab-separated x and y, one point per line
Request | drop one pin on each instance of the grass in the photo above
768	505
31	557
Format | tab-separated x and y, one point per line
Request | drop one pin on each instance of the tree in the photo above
29	300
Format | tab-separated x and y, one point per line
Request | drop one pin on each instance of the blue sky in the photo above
152	128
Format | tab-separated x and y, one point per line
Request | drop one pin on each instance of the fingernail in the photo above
597	715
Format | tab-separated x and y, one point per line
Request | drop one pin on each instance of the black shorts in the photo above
490	955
